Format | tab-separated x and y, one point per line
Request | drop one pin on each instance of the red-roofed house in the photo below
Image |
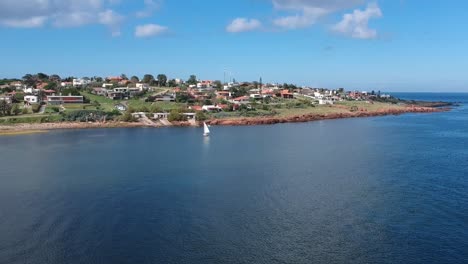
286	94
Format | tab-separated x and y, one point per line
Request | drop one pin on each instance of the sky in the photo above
388	45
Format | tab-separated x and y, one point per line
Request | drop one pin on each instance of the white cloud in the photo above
309	11
24	23
59	13
243	25
149	30
150	7
356	24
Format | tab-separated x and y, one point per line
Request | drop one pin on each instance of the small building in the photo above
115	95
211	108
286	94
165	98
161	115
139	115
190	116
121	89
31	99
121	107
326	102
242	99
142	86
80	82
256	96
64	99
223	95
99	91
6	98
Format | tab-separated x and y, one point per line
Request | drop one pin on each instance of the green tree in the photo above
175	115
123	76
55	78
15	110
51	86
42	76
162	79
135	79
192	79
148	78
218	85
29	80
172	83
5	108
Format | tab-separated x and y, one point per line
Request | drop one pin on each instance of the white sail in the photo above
206	130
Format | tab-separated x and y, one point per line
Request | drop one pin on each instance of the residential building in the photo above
99	91
64	99
80	82
211	108
6	98
31	99
142	86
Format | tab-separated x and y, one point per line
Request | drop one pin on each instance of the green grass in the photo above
30	119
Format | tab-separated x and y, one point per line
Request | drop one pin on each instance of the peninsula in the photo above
41	102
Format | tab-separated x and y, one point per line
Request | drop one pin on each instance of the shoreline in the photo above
19	129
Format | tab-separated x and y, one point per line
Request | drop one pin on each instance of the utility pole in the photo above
261	90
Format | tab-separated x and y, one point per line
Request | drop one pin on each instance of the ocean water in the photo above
388	189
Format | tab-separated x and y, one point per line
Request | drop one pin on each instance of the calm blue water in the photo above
373	190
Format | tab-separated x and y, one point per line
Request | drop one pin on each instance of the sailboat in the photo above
206	130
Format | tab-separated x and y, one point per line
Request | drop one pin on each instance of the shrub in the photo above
36	108
85	116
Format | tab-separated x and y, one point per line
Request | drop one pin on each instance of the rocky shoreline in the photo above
316	117
222	122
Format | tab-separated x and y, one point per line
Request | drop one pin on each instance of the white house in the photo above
211	108
142	86
326	102
5	98
30	90
107	85
31	99
80	82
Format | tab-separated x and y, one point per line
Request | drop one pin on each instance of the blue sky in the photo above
388	45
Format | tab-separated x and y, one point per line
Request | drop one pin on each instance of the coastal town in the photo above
159	101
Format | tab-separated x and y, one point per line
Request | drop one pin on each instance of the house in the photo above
142	86
99	91
30	90
114	79
65	84
160	115
204	84
211	108
196	108
256	96
80	82
107	85
190	116
115	95
121	89
6	98
31	99
64	99
165	98
286	94
241	100
124	82
223	95
325	102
